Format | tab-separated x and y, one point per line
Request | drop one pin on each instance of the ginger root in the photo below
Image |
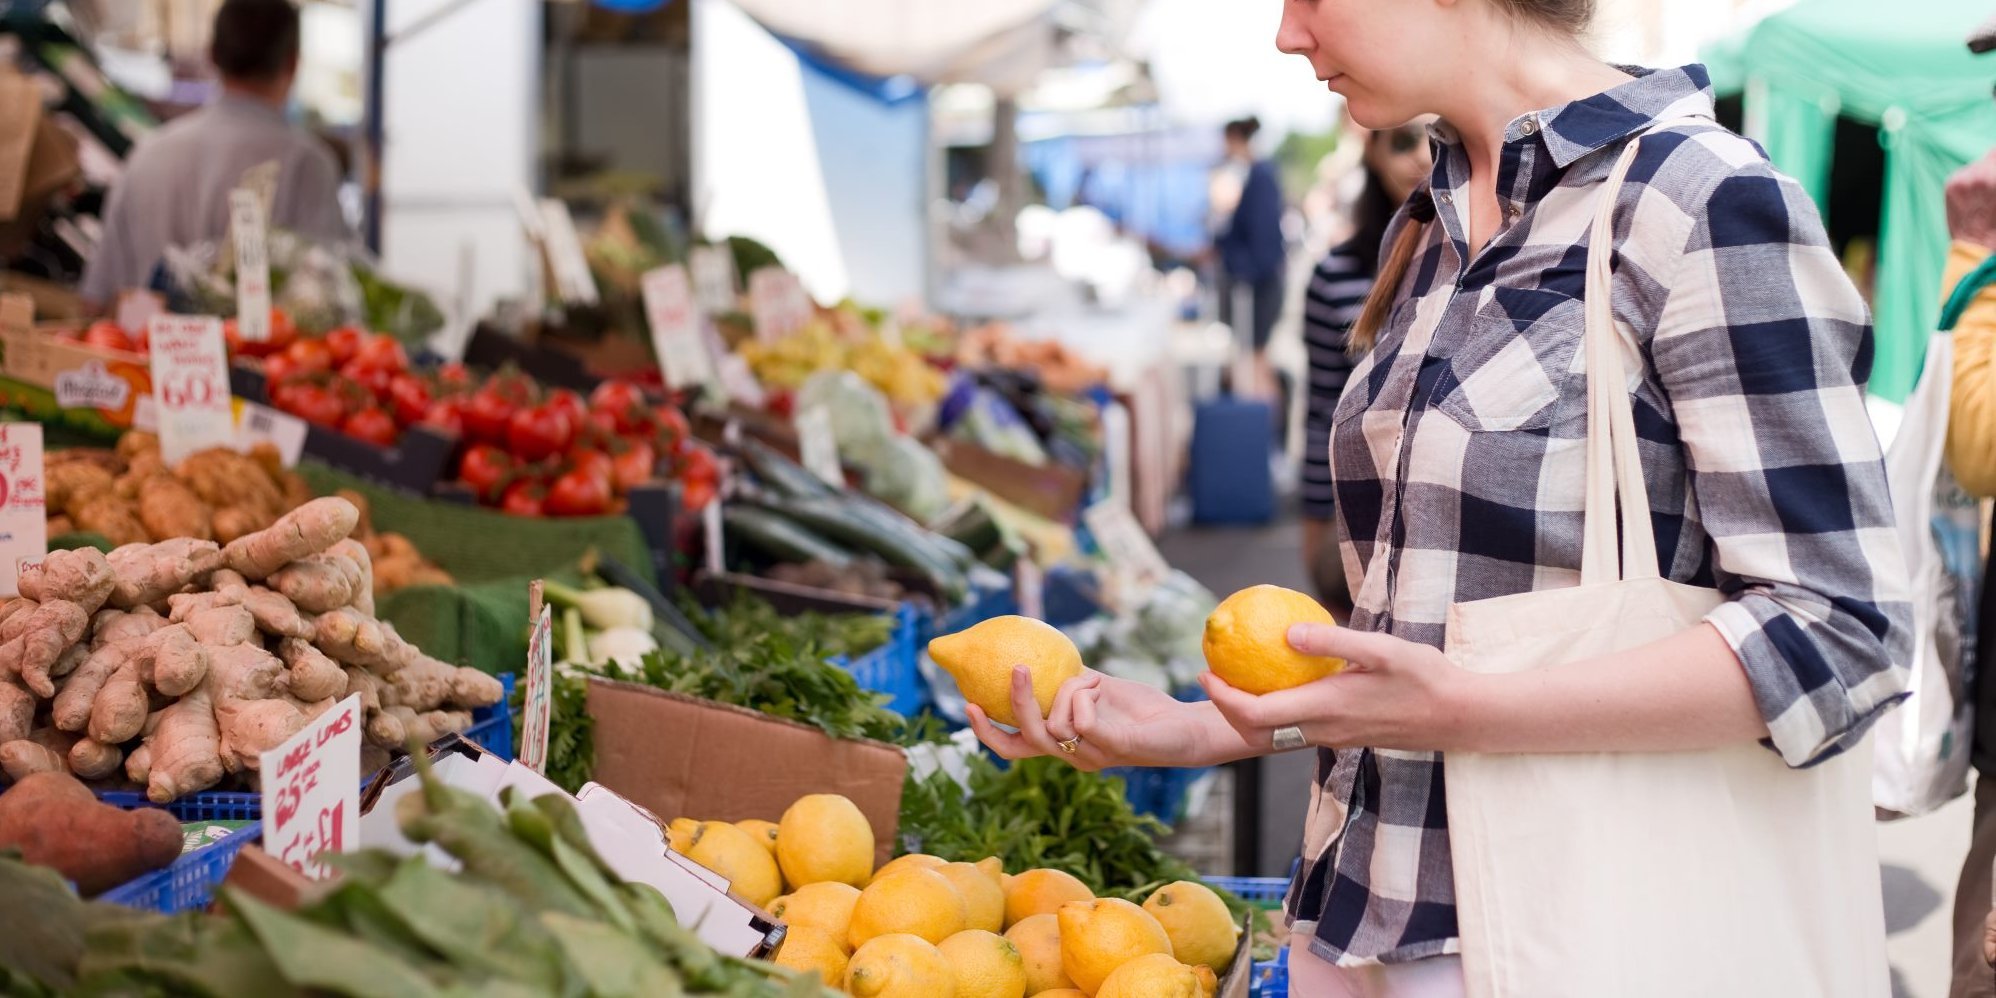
307	530
17	711
104	513
308	674
82	577
321	582
93	760
276	615
119	712
168	508
222	625
175	661
23	756
148	573
184	754
47	633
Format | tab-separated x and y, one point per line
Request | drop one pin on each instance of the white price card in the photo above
714	278
24	537
1029	583
572	277
539	699
190	385
779	302
819	446
259	424
675	328
311	791
246	221
1130	551
710	528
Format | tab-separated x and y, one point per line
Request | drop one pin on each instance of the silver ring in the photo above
1071	745
1290	739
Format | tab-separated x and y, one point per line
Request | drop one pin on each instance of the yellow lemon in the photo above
985	965
983	899
825	837
981	660
1060	993
1247	640
679	834
1202	931
914	860
1041	892
826	907
1096	937
917	902
1038	941
739	859
806	949
1157	975
899	965
761	831
994	868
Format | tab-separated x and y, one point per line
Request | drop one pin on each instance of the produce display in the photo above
531	909
922	926
995	345
904	376
181	661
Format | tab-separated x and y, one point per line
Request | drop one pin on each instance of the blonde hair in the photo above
1393	269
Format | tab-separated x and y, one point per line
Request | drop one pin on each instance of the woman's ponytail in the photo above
1386	286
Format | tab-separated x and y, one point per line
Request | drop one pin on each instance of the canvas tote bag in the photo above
1639	874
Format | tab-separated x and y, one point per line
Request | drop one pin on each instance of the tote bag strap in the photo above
1614	465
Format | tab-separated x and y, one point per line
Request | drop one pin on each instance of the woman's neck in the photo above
1537	72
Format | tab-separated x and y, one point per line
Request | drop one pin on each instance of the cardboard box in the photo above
1051	490
680	756
111	382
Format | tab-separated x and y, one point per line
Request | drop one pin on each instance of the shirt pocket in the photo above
1368	376
1516	362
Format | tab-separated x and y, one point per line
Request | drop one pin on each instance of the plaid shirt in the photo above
1458	457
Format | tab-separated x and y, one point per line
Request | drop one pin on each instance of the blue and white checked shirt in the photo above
1458	458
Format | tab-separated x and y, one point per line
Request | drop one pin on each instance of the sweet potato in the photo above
55	822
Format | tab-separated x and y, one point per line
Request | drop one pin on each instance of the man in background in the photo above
175	189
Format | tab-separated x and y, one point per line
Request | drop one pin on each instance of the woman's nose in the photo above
1292	36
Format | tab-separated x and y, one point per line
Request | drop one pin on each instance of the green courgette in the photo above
782	474
780	537
839	522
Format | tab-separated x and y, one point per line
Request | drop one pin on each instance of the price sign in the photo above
710	527
24	538
714	278
257	424
311	791
252	264
190	385
540	693
675	328
819	446
780	303
572	277
1131	553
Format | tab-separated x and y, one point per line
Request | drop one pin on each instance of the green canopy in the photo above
1903	67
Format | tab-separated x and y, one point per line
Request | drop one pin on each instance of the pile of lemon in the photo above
920	927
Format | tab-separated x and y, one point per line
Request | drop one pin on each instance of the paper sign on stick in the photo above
819	446
713	278
539	707
190	385
311	791
246	221
675	328
24	538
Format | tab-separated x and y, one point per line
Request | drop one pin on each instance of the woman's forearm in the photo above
1216	742
1687	691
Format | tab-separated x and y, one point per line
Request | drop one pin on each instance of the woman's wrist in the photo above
1217	742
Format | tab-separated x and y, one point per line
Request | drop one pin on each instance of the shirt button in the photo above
1446	198
1531	126
1514	211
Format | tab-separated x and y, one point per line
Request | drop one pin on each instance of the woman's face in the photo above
1401	156
1381	55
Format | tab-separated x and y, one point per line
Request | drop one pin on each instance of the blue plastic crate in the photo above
492	727
190	882
208	805
1262	892
1271	977
893	667
982	605
1158	792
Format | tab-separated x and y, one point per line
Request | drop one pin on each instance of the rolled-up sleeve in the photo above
1763	348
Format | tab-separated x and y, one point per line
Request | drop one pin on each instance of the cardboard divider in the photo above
1052	490
680	756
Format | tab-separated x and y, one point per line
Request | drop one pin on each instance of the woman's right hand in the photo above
1117	722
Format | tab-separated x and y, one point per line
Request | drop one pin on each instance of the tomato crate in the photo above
190	882
893	668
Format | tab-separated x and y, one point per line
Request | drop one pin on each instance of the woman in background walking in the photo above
1248	207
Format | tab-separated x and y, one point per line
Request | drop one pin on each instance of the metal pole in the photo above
377	49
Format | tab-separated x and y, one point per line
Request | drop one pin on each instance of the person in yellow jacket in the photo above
1971	452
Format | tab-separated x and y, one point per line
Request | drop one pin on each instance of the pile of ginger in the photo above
182	661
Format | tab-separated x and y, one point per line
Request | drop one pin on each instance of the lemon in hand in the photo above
1247	640
981	660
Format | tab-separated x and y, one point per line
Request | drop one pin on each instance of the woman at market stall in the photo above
1396	161
1740	451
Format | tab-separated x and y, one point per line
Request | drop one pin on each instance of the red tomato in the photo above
672	429
373	425
446	415
409	398
697	464
316	404
382	351
694	496
282	333
578	493
570	403
487	414
524	498
310	355
374	379
595	464
454	377
539	432
344	342
623	402
633	466
599	427
484	468
279	367
107	335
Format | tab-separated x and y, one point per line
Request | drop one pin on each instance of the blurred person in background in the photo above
175	189
1971	453
1248	207
1395	163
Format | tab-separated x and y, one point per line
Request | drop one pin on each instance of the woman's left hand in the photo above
1392	694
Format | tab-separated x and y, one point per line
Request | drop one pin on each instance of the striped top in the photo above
1331	305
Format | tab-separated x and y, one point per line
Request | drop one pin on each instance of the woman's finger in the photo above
1006	744
1026	712
1060	719
1250	713
1360	648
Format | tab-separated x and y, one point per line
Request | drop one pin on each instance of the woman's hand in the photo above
1392	694
1117	723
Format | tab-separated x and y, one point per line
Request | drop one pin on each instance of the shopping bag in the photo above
1647	875
1922	749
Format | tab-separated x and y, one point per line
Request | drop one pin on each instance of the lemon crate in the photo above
189	882
1271	977
894	667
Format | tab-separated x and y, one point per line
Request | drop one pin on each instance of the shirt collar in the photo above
244	104
1584	126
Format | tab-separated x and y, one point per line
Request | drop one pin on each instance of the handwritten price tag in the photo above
311	791
780	303
257	424
252	264
714	278
675	328
540	694
24	538
819	446
190	385
572	276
